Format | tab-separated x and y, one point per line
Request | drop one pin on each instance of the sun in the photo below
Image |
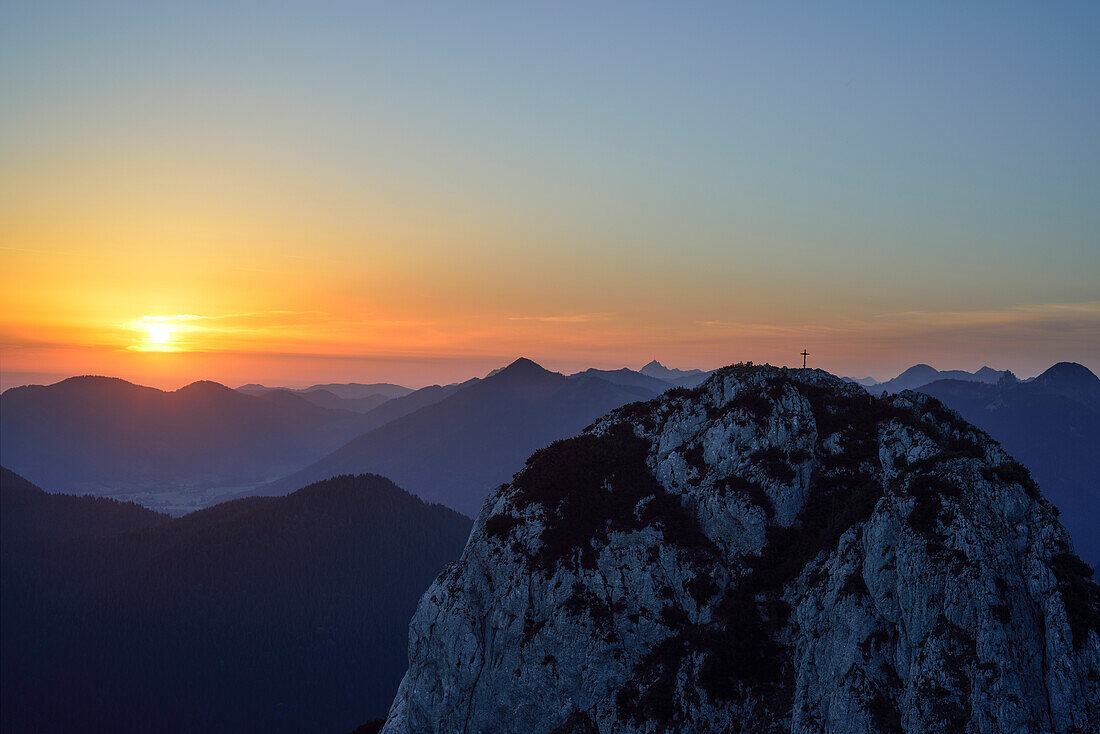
157	333
160	333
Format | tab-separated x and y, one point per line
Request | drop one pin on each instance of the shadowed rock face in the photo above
772	551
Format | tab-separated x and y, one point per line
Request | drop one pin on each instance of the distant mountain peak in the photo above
1069	371
524	369
924	374
656	369
919	369
95	380
205	387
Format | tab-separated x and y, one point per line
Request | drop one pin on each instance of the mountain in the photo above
281	614
454	451
359	390
406	405
169	450
861	381
32	516
353	396
680	378
342	390
628	378
1052	425
1071	380
922	374
326	399
774	551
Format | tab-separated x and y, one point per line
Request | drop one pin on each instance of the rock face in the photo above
774	550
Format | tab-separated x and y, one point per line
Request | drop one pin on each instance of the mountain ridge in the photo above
263	614
922	374
173	449
455	450
1052	425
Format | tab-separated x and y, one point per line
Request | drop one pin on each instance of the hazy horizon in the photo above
450	373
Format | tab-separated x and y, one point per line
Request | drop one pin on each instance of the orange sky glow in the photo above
166	288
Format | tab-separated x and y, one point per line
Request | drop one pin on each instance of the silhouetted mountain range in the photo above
408	404
267	614
326	399
629	378
455	450
1052	425
922	374
353	396
342	390
679	378
108	436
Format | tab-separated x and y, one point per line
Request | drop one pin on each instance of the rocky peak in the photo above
775	550
658	370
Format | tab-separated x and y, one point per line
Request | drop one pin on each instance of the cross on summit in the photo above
804	355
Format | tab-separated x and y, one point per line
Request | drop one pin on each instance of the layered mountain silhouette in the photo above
353	396
269	614
680	378
1052	425
629	378
922	374
108	436
454	451
414	401
326	399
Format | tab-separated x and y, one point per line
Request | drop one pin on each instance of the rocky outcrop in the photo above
774	550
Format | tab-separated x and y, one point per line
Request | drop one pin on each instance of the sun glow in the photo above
161	333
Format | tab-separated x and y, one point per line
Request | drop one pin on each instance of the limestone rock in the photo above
775	550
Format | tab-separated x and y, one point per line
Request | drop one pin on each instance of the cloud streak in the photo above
580	318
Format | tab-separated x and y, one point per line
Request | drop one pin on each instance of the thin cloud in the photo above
1087	311
579	318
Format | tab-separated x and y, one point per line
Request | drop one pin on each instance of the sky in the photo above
292	193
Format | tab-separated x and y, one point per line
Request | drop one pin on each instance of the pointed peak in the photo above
523	365
521	369
658	370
